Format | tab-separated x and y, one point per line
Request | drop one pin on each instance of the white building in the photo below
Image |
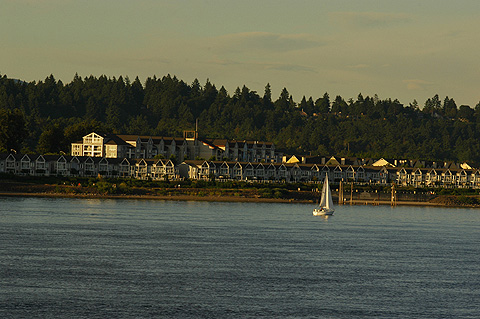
188	147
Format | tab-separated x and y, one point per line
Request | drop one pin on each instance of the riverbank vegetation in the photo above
305	192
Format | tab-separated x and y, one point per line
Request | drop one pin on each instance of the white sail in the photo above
326	202
325	193
328	194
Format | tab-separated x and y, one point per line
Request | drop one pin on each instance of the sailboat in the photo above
325	207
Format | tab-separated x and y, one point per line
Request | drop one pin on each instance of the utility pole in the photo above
196	128
351	194
340	194
394	196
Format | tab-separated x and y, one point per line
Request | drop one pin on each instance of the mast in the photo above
329	200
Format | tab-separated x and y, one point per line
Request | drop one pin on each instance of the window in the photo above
25	165
61	166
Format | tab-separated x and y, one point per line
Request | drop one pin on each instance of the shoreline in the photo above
211	198
156	197
217	194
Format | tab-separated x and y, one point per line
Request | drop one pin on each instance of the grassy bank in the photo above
134	187
230	190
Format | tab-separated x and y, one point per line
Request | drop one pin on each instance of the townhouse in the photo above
188	147
297	172
448	175
133	146
86	166
247	151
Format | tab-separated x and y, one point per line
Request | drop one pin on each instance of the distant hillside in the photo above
54	114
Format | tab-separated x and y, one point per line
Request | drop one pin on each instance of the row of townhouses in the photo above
87	166
297	172
163	169
188	147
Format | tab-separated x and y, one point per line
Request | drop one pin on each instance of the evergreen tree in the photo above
12	130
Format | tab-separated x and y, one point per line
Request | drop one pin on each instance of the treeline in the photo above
46	116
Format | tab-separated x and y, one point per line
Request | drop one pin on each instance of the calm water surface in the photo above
77	258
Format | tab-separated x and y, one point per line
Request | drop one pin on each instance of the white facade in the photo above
92	145
135	146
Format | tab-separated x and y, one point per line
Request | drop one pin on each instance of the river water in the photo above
82	258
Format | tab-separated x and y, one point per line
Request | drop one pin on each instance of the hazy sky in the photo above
397	49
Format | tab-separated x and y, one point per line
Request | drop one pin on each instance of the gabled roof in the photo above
451	165
466	165
373	169
74	159
405	170
368	161
128	138
13	157
383	162
169	163
249	165
143	161
160	162
333	161
293	159
447	172
421	171
305	167
260	166
115	161
271	166
112	139
51	158
125	160
209	144
238	165
87	159
351	161
225	164
97	159
193	162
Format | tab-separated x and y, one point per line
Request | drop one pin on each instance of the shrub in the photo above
104	187
468	200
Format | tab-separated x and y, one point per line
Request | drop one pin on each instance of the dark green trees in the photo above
47	116
12	130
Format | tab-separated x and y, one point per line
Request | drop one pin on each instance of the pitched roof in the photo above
113	139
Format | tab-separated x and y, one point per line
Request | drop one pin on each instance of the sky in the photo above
405	50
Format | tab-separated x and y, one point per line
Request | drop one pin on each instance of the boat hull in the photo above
322	212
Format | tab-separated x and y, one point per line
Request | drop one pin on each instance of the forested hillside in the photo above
46	116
